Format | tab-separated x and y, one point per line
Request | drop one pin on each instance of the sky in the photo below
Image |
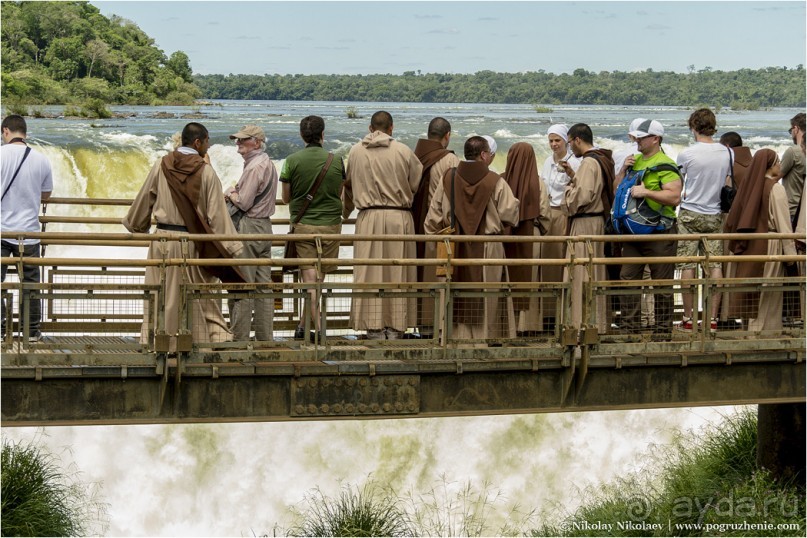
379	37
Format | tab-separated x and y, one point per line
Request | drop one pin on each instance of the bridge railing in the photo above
94	308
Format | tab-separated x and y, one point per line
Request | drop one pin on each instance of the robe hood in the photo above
377	139
181	166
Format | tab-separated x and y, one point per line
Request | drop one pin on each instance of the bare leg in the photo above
310	275
687	296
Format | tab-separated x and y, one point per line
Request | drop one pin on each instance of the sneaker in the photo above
686	324
713	324
299	333
35	336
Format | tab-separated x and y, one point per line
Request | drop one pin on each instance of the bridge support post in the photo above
781	440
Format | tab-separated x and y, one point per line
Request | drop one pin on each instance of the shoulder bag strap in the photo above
310	196
731	168
25	156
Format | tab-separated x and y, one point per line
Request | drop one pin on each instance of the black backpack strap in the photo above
25	156
731	168
666	167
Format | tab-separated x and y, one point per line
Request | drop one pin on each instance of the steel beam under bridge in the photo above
243	392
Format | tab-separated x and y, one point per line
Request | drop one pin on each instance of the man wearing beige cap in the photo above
255	195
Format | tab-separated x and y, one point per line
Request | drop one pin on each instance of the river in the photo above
240	479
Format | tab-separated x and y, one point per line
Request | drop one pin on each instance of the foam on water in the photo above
232	479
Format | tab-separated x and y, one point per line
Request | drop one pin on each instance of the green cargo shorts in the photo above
690	222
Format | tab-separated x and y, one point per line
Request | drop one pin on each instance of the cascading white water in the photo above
232	479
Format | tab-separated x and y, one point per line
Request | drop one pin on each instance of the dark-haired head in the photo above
381	121
193	131
474	147
311	129
703	122
438	128
15	124
581	131
798	121
731	139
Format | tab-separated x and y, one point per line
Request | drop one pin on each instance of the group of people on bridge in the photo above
398	191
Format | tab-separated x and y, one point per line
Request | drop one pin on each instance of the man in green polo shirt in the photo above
323	215
662	191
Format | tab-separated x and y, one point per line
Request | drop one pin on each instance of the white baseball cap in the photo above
491	143
648	128
635	124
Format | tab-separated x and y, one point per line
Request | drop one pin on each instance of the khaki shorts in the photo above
308	249
690	222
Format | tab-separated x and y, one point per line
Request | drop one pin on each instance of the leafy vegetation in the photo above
705	483
769	87
68	53
40	499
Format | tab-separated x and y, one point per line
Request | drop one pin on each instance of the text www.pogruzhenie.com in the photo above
675	528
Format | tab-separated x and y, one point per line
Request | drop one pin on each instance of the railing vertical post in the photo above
23	299
706	293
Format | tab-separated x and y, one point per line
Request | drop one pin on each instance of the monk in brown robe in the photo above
382	178
760	207
184	194
483	205
741	164
521	174
436	158
587	201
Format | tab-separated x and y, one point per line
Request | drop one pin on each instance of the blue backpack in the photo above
633	216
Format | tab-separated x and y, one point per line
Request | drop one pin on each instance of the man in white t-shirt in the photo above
27	182
704	166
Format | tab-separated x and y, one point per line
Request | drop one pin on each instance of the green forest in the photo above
68	53
746	88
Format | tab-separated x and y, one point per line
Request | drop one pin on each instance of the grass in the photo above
352	113
452	509
40	499
541	109
448	509
366	511
703	483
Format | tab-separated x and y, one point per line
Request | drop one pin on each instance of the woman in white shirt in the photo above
556	180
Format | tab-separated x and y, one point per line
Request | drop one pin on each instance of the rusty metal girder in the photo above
240	393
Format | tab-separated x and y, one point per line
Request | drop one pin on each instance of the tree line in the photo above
742	89
67	52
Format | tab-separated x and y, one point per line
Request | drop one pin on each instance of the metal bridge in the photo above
93	366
